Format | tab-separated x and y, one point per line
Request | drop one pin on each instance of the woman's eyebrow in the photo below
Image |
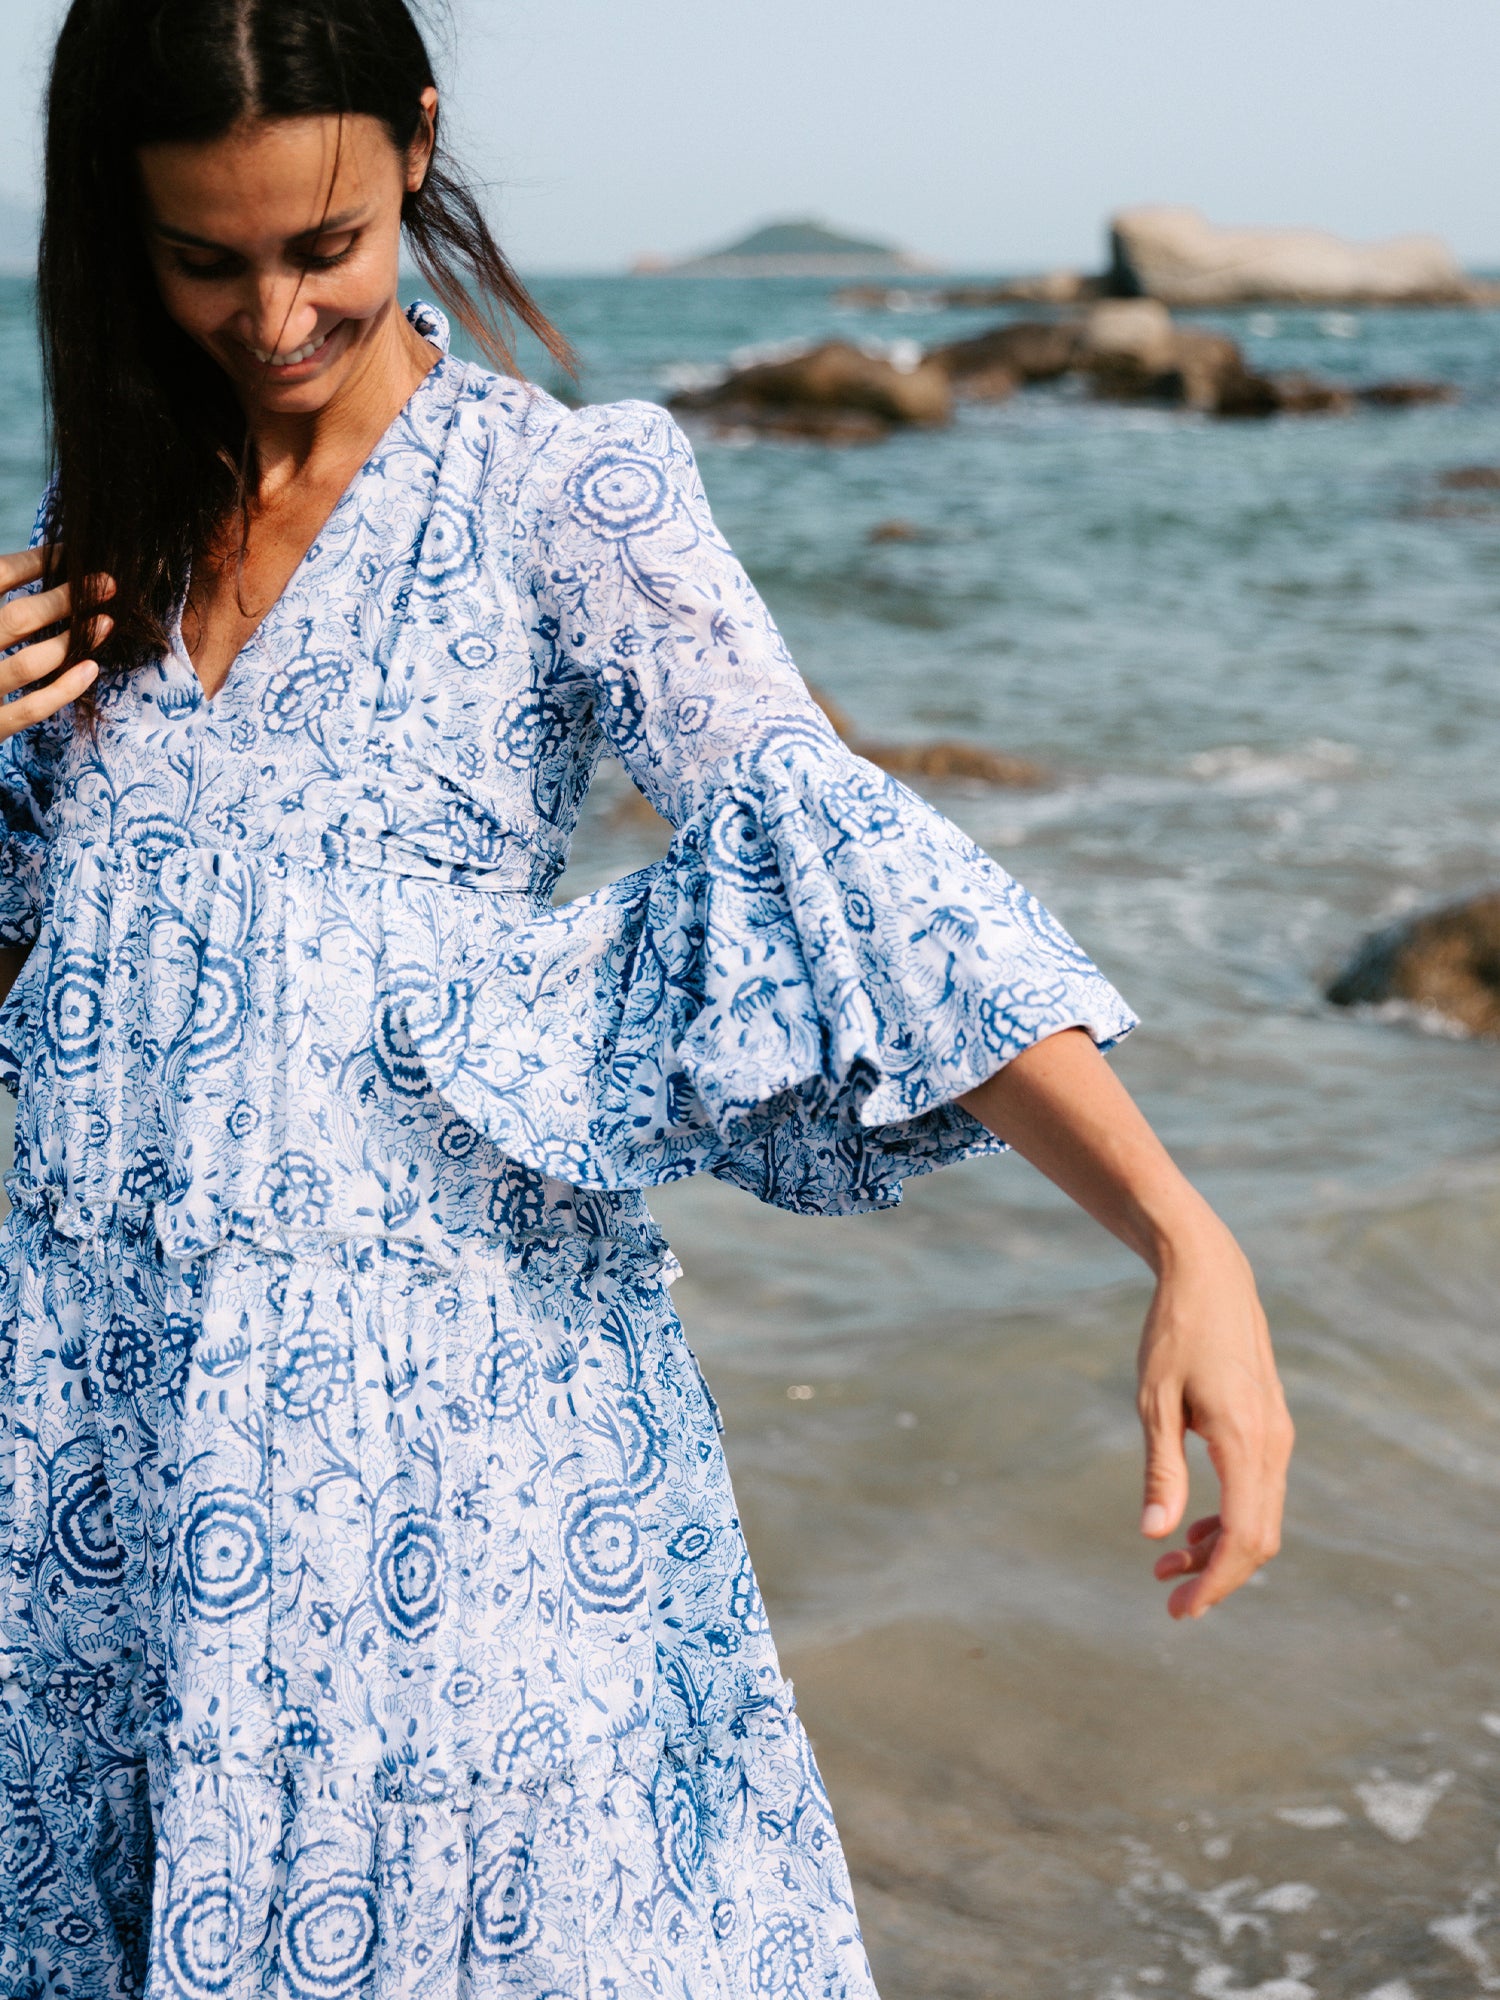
325	226
330	225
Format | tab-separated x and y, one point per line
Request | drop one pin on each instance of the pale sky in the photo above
986	134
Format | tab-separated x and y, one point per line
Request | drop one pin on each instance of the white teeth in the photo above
290	360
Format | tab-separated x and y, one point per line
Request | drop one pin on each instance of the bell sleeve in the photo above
797	995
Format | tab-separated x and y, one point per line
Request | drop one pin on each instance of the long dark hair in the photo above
148	439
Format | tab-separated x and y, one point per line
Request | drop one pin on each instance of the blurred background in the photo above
1168	562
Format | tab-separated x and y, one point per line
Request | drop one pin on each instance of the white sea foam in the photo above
678	377
768	350
1407	1014
1287	1899
1313	1819
1398	1809
1239	768
1217	1904
903	355
1461	1934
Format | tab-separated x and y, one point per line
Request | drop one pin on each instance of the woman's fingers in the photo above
25	566
1250	1456
1202	1537
1166	1462
1207	1365
41	702
33	663
24	615
32	611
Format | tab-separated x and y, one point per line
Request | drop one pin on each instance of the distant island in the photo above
795	249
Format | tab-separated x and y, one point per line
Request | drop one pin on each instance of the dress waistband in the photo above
510	862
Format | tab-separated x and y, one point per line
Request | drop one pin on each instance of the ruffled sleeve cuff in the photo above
792	1000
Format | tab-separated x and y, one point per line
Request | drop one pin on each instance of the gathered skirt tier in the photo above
374	1628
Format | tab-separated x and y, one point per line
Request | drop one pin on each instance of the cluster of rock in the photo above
1131	350
1128	350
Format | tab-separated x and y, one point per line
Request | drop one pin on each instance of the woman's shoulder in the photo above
548	439
513	428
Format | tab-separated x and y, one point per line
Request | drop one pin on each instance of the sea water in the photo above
1260	661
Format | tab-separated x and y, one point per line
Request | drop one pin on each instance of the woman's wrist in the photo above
1175	1229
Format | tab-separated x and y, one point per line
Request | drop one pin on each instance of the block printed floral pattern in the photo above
375	1621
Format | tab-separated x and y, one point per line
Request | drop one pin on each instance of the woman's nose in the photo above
276	321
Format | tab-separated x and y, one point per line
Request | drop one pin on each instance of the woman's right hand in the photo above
20	618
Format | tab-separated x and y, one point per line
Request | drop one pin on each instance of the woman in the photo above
376	1618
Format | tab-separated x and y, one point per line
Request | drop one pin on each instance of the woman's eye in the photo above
323	256
216	267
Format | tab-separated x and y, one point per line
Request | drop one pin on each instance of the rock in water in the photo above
836	393
944	761
1296	394
1134	351
949	761
1178	256
1135	334
1445	962
1405	393
989	366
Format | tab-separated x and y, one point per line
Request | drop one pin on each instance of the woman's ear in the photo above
419	154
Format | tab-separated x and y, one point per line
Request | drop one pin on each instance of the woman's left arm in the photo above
1205	1359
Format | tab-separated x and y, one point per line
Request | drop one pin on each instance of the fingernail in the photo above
1154	1520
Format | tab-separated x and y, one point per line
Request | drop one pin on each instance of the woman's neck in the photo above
291	447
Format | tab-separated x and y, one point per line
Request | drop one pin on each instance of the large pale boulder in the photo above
836	393
1178	256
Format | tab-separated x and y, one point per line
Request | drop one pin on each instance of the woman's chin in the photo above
302	386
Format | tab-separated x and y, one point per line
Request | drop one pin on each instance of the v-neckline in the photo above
330	520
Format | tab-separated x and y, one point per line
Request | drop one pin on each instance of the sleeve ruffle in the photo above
792	1000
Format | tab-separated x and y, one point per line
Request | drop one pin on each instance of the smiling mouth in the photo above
298	354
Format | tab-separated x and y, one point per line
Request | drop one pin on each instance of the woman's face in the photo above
276	248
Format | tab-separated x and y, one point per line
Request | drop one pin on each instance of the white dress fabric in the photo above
375	1622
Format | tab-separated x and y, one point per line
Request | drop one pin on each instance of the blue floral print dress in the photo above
375	1619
